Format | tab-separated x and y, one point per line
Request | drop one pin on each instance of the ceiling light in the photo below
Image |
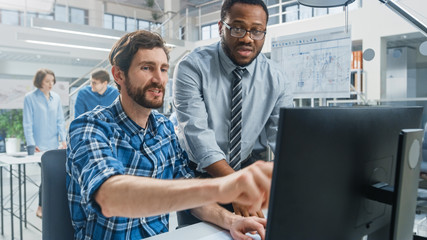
80	33
79	29
67	45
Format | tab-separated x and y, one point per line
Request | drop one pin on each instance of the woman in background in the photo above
43	118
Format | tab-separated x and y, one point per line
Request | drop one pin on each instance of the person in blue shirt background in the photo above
98	93
43	118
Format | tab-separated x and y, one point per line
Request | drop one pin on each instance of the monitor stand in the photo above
403	197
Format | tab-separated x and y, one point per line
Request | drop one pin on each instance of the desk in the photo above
10	161
201	231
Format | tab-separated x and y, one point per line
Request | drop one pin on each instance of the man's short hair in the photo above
101	75
227	4
125	48
40	75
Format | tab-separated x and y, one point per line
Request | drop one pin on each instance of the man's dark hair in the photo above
125	48
40	75
101	75
227	4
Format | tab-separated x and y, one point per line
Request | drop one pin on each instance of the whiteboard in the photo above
317	63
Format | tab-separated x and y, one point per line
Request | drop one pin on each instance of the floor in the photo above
34	226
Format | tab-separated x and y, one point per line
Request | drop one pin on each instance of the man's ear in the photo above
220	30
118	75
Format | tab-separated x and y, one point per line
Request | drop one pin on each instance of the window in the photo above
214	30
71	14
271	2
290	13
206	32
61	13
78	16
273	10
273	20
210	31
30	16
320	11
291	10
10	17
108	21
143	25
305	12
130	24
155	26
119	23
181	33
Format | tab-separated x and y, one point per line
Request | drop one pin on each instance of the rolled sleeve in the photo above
91	162
195	135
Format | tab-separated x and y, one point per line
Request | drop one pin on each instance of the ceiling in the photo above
406	40
412	40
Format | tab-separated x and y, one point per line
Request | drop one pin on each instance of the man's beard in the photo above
228	51
138	94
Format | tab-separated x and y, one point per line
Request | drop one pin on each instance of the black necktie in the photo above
236	119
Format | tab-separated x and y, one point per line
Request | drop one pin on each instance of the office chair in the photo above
56	214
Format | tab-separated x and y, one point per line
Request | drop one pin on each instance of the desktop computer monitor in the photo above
326	160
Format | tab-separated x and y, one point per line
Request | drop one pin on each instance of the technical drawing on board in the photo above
317	63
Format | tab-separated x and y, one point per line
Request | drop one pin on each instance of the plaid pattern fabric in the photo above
106	142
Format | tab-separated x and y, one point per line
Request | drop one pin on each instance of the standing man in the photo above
98	93
227	93
122	160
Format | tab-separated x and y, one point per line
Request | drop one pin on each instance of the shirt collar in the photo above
129	124
229	66
40	93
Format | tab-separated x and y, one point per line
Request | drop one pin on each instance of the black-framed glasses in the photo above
240	32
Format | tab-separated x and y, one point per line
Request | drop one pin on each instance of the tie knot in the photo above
238	72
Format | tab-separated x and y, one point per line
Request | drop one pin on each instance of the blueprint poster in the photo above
316	63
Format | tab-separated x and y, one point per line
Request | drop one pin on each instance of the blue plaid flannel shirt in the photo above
106	142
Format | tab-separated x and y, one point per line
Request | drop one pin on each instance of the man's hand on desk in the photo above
243	225
243	211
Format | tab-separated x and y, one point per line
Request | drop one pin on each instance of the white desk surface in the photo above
20	158
201	231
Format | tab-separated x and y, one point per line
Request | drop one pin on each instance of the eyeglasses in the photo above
240	32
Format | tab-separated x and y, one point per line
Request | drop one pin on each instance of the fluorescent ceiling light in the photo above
79	29
67	45
80	33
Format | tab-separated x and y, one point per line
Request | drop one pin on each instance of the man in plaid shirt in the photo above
123	159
